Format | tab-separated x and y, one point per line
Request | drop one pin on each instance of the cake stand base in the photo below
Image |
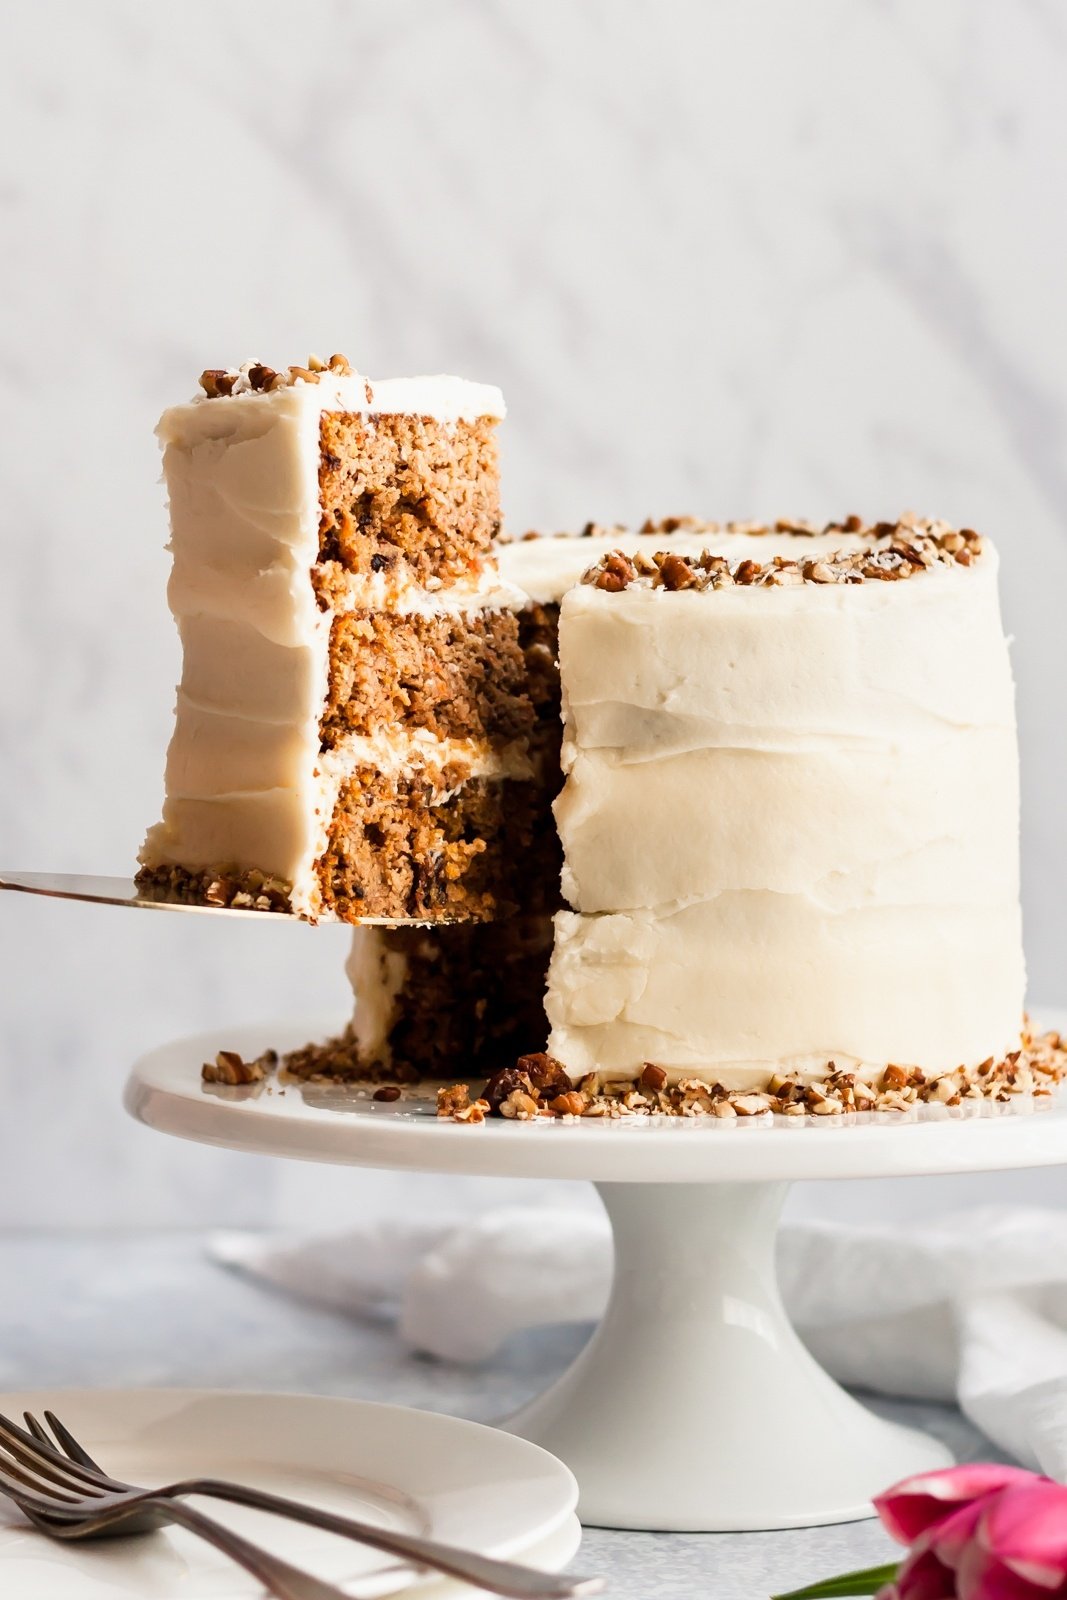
695	1407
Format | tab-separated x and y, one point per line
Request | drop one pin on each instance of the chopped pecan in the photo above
475	1112
568	1105
229	1067
547	1075
217	381
617	572
507	1081
676	573
519	1105
453	1097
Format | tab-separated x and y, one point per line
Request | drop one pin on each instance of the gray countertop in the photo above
151	1308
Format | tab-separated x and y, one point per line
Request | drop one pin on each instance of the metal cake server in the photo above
103	891
114	892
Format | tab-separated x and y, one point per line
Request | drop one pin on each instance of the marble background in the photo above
725	257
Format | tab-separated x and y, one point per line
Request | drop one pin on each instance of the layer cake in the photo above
737	805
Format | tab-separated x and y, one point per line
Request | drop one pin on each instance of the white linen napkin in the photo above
970	1308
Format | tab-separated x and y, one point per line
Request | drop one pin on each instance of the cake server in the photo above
103	891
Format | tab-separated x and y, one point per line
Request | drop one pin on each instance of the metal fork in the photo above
68	1496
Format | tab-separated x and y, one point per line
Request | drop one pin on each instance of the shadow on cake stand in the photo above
694	1406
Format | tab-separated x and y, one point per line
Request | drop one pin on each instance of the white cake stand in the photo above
695	1406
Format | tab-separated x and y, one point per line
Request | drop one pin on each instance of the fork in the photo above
68	1496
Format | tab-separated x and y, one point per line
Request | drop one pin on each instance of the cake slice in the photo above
352	726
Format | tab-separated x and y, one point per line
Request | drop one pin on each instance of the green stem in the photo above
869	1581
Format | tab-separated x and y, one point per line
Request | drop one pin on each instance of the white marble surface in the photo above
726	258
142	1309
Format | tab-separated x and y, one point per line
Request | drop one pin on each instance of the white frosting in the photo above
382	591
377	976
246	787
790	822
934	987
443	398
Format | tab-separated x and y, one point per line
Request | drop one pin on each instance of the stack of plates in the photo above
458	1482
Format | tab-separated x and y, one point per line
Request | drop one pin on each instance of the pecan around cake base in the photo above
539	1086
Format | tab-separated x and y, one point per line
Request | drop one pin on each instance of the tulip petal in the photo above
1024	1528
923	1577
916	1504
981	1576
951	1539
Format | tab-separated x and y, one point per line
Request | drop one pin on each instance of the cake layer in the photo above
406	495
754	983
460	676
265	487
427	843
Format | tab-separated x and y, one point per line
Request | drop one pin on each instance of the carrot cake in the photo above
734	805
353	721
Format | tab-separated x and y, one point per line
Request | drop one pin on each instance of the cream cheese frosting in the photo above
445	399
790	824
377	974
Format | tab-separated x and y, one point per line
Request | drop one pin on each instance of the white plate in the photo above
551	1555
334	1123
456	1481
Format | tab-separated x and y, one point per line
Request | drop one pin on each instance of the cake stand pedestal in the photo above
695	1406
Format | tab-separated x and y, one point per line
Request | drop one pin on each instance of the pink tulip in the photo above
979	1532
909	1508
